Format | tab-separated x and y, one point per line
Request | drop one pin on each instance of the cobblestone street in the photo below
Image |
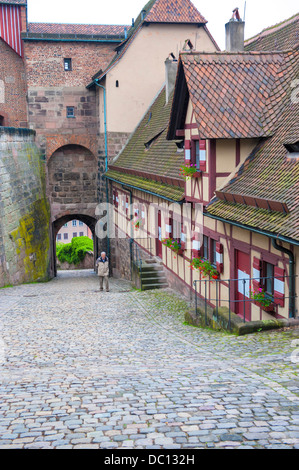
87	369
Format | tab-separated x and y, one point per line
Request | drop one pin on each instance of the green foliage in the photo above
205	267
75	251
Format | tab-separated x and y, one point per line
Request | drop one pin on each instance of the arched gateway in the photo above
72	188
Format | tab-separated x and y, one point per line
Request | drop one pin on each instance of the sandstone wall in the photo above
24	210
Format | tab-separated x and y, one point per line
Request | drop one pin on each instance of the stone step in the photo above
154	280
154	286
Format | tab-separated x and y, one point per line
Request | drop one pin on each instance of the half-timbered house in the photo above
229	157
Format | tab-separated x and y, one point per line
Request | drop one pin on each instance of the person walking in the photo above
102	265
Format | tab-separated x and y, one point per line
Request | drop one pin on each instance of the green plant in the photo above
261	297
75	251
205	267
174	245
187	171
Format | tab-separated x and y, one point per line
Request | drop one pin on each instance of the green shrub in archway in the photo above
74	252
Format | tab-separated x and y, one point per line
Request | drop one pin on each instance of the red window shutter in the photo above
116	198
196	248
202	150
183	237
187	152
193	152
279	286
168	227
257	268
219	257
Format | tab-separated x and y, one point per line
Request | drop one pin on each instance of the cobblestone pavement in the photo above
85	369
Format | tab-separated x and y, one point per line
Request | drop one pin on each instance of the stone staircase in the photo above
152	275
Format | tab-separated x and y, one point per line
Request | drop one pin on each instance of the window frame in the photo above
67	60
68	114
265	281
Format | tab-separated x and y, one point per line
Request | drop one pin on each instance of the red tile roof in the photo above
84	29
149	161
14	2
174	11
160	11
268	173
231	92
280	37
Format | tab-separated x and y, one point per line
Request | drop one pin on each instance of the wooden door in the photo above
242	285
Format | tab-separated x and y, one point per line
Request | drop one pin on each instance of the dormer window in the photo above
180	146
293	150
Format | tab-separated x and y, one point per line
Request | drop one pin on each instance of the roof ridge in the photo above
73	24
271	29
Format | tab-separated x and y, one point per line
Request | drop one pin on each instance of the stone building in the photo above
53	78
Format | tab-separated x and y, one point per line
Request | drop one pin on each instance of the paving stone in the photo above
124	371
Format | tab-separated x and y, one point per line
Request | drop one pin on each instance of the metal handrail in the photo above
136	258
230	300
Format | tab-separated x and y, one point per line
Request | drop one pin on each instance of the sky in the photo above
259	13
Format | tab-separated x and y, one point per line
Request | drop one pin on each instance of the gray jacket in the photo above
102	266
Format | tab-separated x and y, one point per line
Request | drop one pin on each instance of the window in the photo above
75	234
70	112
268	275
59	236
65	236
74	223
65	225
200	154
81	234
213	252
67	65
205	247
293	150
80	223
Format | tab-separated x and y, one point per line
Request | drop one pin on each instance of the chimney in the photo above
235	31
171	65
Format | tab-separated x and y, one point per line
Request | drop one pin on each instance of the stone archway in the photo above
72	189
65	218
72	181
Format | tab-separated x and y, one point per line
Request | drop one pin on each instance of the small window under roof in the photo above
293	150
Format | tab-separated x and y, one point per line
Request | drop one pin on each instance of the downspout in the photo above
131	217
106	161
292	275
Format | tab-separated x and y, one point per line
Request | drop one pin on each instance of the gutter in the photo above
106	161
143	190
255	230
292	275
278	247
71	40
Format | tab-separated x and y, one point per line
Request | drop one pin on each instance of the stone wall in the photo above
24	210
72	182
13	88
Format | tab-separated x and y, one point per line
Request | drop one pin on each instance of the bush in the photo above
75	251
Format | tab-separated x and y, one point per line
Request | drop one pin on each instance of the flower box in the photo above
174	245
205	267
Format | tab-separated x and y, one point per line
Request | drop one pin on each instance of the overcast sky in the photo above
259	13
